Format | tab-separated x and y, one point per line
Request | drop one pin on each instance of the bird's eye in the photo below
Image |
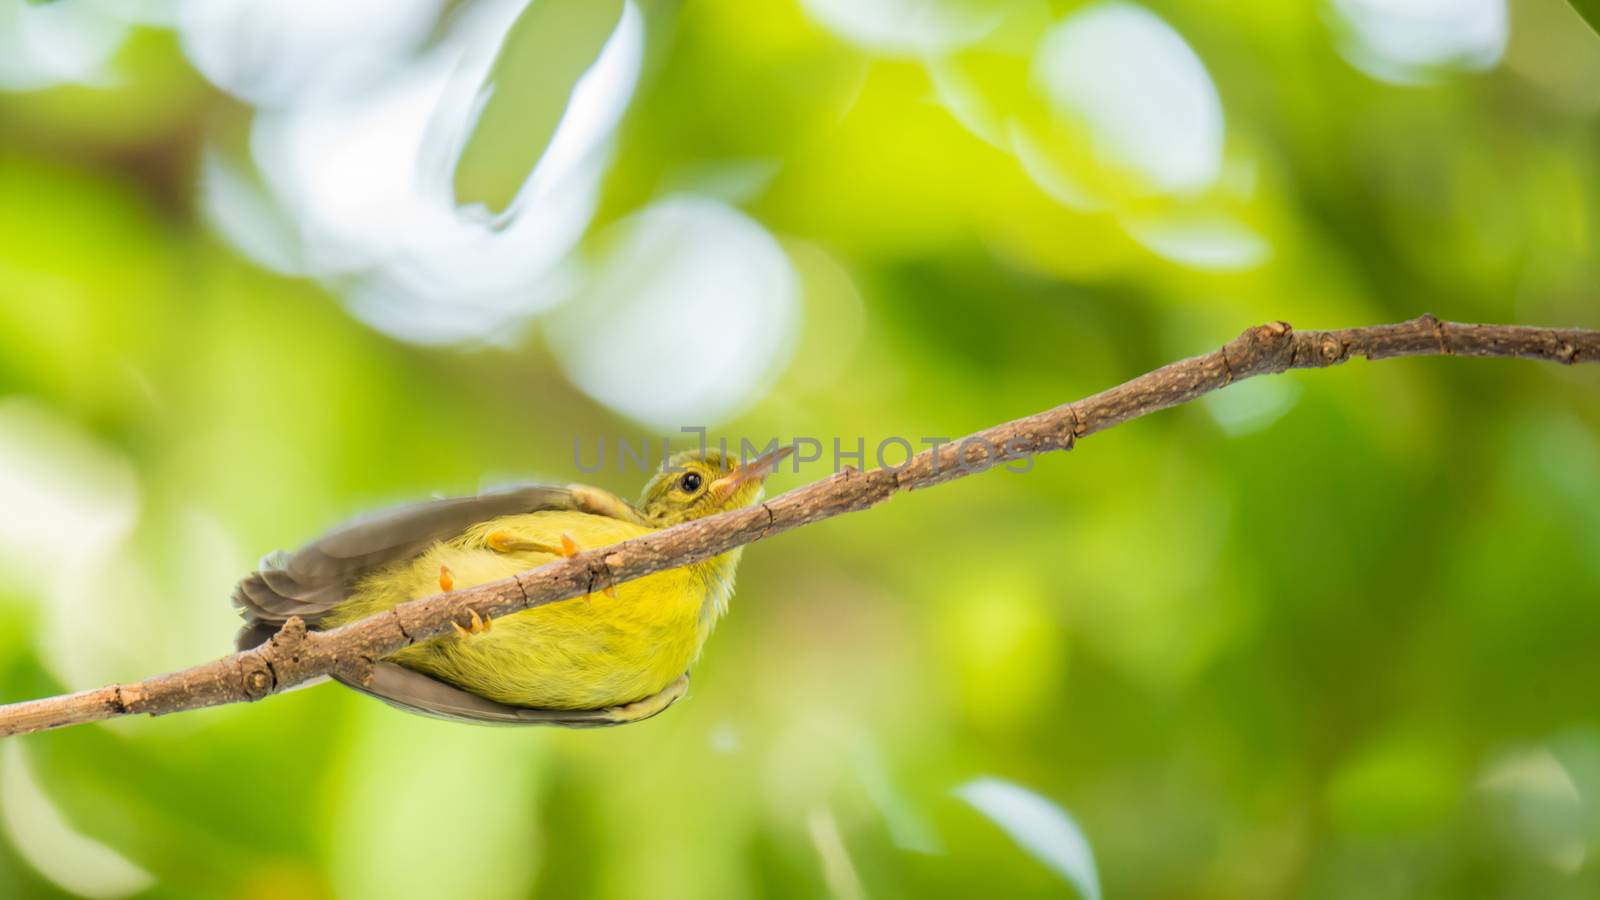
690	482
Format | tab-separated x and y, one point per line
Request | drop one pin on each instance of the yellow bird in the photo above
606	659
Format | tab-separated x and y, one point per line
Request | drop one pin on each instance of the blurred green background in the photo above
267	265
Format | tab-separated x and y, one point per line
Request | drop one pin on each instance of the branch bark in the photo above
296	655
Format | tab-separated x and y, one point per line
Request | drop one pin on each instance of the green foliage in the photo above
1327	635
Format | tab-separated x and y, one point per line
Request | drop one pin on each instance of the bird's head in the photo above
694	484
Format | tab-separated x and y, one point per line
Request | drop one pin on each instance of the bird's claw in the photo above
506	542
567	548
478	625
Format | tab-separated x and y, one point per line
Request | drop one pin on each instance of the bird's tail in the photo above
267	598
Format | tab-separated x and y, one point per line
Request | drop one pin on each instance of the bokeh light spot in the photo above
688	315
909	27
1538	806
70	859
357	184
266	51
1213	242
46	44
1040	826
1140	90
1412	41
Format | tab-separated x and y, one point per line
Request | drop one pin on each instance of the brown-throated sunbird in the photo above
608	659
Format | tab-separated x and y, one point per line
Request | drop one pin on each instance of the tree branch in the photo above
295	655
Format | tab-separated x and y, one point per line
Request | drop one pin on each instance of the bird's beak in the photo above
755	470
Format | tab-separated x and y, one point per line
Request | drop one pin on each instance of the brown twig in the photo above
295	655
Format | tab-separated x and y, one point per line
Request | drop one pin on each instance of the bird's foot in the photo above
569	549
447	579
506	542
477	625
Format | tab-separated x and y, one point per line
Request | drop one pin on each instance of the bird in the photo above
612	658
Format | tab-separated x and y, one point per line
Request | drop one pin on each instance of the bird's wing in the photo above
417	692
314	579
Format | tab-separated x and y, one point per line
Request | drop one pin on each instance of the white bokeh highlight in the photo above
1539	806
71	506
47	44
1416	41
684	319
1250	406
1140	90
43	837
1119	115
1141	121
1040	826
356	185
1212	242
66	497
909	27
266	52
